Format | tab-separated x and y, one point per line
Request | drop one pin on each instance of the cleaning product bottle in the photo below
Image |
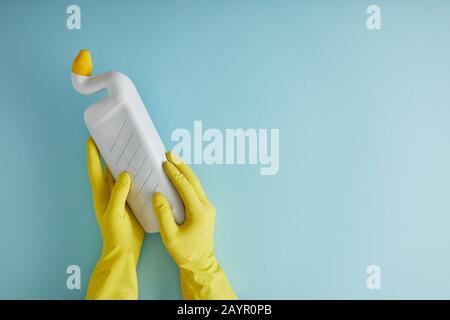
126	138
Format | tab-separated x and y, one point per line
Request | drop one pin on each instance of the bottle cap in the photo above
82	65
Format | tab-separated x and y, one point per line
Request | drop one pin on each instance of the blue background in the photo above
364	140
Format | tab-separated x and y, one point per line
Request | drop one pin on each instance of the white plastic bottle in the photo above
126	138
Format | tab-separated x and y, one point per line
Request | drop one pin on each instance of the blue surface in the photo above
364	140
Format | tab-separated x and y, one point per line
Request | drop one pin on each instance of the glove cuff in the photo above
206	263
205	279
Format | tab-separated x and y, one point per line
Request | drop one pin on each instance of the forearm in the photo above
205	281
114	276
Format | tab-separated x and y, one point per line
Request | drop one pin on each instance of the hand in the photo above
191	243
119	228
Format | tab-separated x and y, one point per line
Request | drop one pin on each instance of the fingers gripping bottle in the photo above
126	138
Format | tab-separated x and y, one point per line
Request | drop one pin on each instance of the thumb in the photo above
119	194
164	215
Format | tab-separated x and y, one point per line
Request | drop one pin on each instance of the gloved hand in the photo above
191	243
115	275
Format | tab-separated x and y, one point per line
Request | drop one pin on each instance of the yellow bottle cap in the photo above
82	65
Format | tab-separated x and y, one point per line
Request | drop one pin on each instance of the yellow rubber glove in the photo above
191	243
114	276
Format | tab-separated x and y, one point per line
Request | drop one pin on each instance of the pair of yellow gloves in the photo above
190	244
